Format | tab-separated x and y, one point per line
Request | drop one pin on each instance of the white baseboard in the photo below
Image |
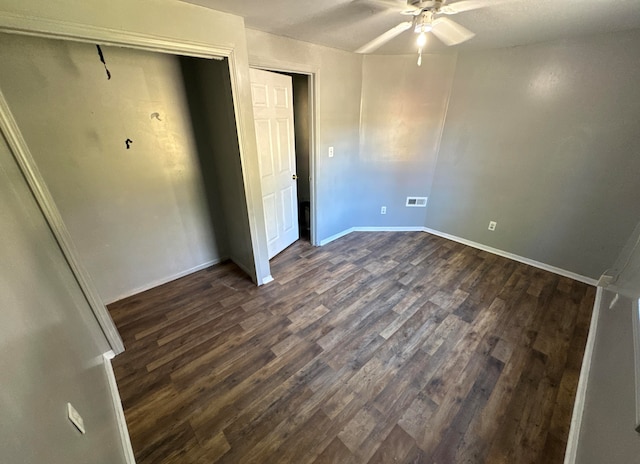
336	236
464	241
371	229
117	406
166	280
388	229
581	392
246	270
267	279
520	259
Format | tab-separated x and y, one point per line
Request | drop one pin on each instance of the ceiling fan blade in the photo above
450	32
468	5
384	38
395	4
399	5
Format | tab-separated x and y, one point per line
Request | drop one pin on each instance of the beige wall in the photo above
403	113
209	90
51	344
338	107
138	217
544	139
607	433
199	29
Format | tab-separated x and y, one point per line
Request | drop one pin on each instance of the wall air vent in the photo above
416	202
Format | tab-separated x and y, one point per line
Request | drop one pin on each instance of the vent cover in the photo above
416	202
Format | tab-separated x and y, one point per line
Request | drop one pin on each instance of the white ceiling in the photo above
349	24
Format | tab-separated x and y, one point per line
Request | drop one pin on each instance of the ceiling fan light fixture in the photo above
423	27
423	23
422	40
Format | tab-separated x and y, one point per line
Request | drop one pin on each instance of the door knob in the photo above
294	177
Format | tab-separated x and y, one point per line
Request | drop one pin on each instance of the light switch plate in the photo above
75	418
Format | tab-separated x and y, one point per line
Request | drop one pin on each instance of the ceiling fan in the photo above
427	16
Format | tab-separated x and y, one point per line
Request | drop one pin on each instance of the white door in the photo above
272	96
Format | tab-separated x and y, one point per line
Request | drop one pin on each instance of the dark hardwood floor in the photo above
377	348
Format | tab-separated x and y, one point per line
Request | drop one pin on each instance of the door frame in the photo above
66	30
314	79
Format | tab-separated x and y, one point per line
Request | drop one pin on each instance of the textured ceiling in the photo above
349	24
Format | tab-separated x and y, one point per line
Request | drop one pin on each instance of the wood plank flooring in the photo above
377	348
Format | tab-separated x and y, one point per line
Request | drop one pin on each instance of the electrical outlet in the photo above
492	225
383	210
330	152
75	418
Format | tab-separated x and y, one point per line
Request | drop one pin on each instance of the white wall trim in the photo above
16	23
635	309
371	229
22	155
495	251
49	28
166	280
388	229
581	392
336	236
514	257
117	406
270	64
253	195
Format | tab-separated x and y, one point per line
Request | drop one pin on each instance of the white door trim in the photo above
277	156
125	439
54	29
13	23
22	155
314	108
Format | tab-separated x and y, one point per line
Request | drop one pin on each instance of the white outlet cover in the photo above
492	225
75	418
330	152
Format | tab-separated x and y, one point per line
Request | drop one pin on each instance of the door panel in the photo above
273	114
265	152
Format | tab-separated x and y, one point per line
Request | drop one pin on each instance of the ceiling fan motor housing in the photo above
425	4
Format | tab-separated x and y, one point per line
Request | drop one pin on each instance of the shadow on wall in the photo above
204	146
209	93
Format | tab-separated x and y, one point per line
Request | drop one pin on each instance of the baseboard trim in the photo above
514	257
117	406
336	236
571	452
166	280
388	229
252	275
464	241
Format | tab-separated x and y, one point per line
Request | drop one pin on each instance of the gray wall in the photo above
198	29
627	267
50	343
403	113
138	217
211	107
607	433
544	139
339	88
